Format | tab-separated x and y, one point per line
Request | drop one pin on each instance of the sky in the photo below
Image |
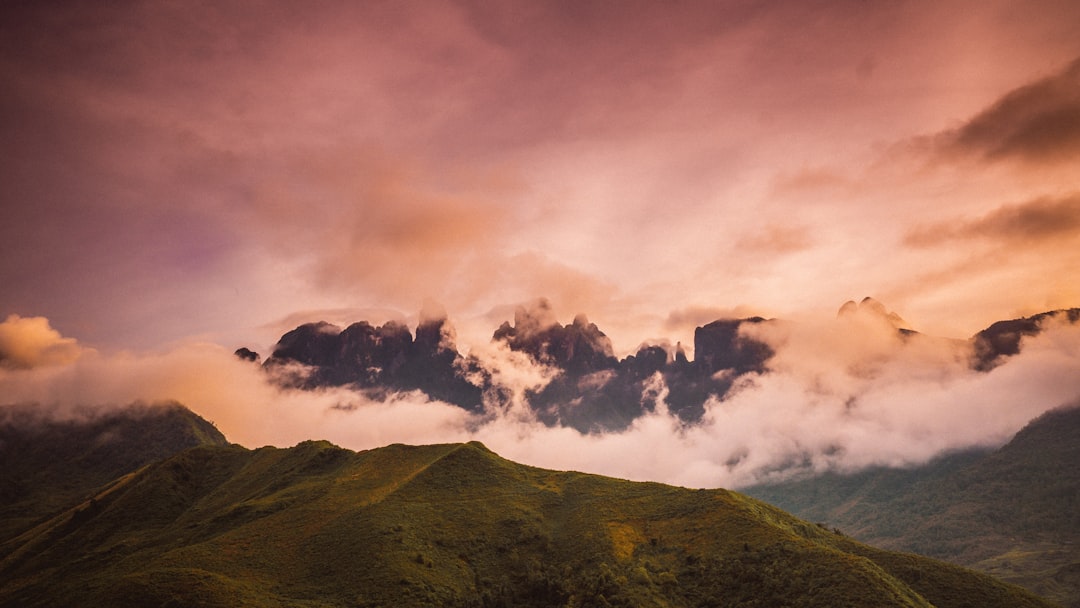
187	177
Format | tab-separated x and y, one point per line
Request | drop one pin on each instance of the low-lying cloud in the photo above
840	395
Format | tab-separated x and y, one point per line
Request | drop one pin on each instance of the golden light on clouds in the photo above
180	171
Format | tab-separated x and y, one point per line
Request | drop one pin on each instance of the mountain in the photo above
447	525
50	464
376	359
1013	512
1002	339
590	390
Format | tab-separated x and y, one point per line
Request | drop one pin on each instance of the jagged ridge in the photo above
592	391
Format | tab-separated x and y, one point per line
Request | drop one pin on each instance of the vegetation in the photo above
49	465
1013	512
447	525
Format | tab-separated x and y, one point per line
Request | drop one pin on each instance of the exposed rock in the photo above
592	391
578	348
869	308
381	359
247	354
313	344
1002	339
718	346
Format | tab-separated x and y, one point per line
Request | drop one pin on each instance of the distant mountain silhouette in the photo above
592	391
1002	339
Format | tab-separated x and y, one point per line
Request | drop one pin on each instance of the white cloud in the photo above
839	396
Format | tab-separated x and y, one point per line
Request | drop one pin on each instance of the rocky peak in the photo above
718	346
870	309
434	333
310	344
577	348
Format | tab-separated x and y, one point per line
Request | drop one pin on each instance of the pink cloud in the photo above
842	394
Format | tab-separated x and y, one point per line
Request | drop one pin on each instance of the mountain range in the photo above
214	524
590	389
1013	512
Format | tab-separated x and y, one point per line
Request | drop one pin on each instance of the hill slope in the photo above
1014	512
447	525
49	464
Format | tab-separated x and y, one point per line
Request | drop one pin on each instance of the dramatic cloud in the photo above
841	395
179	172
1043	220
186	179
1036	123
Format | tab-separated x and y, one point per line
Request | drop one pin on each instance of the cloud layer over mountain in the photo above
839	394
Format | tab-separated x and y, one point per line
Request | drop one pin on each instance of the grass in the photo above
1013	512
447	525
50	465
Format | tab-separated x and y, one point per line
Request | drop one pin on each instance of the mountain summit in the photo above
869	308
589	389
447	525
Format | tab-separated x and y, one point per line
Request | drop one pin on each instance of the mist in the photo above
840	394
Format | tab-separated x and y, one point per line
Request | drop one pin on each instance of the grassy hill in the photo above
49	465
1013	512
447	525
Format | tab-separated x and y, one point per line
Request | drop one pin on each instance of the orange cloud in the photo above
29	342
1031	222
1036	123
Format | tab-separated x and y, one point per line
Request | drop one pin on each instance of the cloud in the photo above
842	394
28	342
778	240
1044	219
1035	123
234	394
834	406
276	159
338	157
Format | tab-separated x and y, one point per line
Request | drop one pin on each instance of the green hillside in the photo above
1013	512
48	465
447	525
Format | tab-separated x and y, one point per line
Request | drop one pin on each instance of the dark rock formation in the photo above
591	390
718	346
578	348
1002	339
379	359
596	392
